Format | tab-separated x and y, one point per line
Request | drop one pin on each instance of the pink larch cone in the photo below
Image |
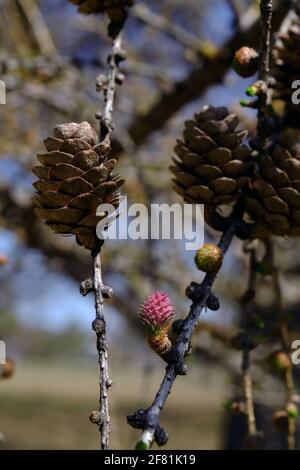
156	313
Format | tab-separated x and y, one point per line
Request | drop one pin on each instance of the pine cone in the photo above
274	201
75	177
286	55
214	164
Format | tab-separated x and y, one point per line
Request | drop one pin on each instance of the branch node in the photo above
177	325
101	83
181	368
109	383
86	287
194	292
107	292
213	302
99	326
160	436
138	419
95	417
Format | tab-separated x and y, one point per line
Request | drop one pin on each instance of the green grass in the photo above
46	406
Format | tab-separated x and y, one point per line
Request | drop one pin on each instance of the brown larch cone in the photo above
274	200
286	57
75	177
213	164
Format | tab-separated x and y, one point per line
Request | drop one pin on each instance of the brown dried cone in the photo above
213	164
75	177
274	201
286	55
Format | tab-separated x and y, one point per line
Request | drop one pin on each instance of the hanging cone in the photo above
75	177
213	163
274	200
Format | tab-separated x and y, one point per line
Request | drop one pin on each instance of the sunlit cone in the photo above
208	258
75	177
274	200
213	163
245	62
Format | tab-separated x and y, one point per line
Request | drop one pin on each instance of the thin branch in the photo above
247	343
107	85
148	420
248	393
38	26
99	326
266	10
285	342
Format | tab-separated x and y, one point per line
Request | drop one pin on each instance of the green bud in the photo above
251	91
292	411
141	446
244	103
293	414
